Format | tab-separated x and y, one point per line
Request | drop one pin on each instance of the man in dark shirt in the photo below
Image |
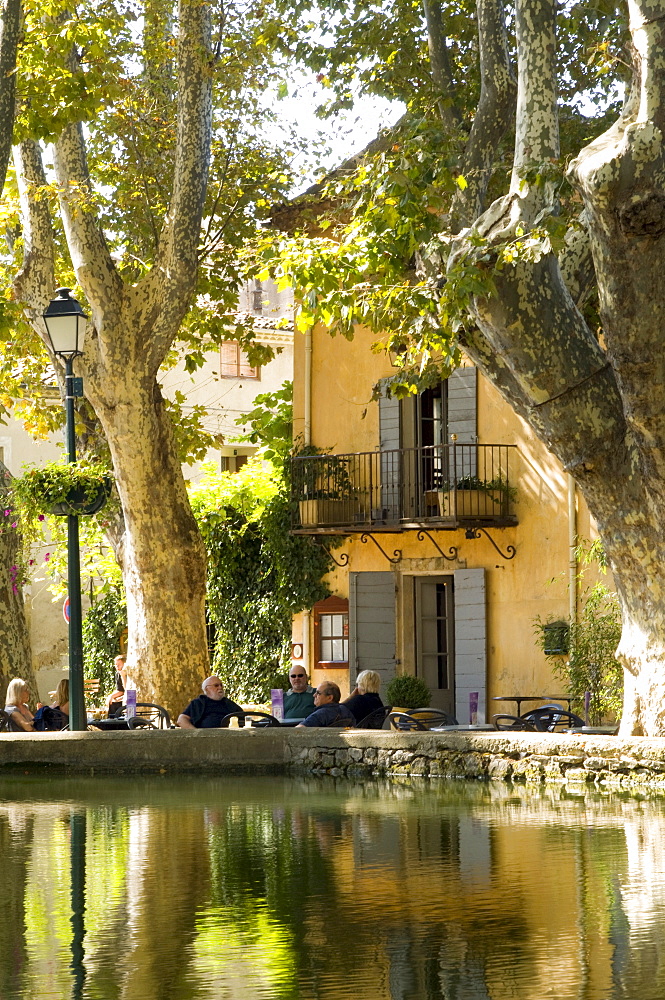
328	710
208	710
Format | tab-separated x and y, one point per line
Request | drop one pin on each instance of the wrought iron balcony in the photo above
442	486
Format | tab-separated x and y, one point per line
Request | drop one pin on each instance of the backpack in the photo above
48	720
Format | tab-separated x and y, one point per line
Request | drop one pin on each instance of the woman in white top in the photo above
16	706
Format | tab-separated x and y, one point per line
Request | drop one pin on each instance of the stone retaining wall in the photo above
518	757
603	761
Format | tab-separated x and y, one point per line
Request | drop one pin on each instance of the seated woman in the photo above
365	696
16	706
61	700
54	717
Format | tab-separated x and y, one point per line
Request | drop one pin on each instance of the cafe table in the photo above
519	698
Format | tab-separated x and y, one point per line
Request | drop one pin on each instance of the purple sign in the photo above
473	708
277	702
131	703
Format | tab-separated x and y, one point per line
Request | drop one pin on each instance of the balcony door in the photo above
426	440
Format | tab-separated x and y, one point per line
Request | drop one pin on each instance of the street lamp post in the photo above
66	323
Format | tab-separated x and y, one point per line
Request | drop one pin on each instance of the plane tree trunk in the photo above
601	409
131	330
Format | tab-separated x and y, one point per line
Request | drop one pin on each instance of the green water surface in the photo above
209	888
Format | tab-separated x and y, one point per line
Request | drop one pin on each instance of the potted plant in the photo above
326	491
407	691
59	488
476	497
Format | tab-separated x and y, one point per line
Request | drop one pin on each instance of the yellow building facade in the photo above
458	531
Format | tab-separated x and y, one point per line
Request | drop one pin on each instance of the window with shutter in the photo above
234	363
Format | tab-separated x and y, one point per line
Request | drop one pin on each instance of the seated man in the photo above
208	710
299	701
328	711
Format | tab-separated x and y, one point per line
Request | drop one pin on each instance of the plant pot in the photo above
78	501
473	503
323	512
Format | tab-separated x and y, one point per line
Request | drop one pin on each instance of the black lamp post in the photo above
66	323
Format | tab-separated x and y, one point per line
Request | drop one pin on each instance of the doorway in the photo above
434	609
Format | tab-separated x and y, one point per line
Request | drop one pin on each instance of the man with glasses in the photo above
299	701
328	710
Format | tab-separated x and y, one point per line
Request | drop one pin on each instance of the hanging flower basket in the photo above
82	501
62	489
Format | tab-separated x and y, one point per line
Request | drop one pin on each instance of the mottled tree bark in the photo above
132	328
599	409
15	653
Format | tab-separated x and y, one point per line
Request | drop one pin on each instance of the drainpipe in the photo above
572	559
307	615
308	388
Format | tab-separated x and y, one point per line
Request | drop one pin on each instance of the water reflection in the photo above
275	888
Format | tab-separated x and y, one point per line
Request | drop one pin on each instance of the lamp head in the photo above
65	323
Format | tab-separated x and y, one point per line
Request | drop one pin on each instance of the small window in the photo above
234	363
331	633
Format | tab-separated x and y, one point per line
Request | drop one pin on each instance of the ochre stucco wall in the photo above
533	584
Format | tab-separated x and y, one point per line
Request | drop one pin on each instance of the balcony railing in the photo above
446	486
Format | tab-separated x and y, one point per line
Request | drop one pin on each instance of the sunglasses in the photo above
292	676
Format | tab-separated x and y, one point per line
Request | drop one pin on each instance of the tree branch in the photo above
180	237
35	282
9	34
537	126
92	261
442	76
496	106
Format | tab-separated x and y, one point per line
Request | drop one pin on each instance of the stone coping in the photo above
516	757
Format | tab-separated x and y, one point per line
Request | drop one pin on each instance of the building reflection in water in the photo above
189	890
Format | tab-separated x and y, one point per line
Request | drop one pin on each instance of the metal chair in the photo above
406	723
551	719
375	719
431	717
513	724
5	722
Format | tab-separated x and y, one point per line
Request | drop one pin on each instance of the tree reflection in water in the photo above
291	890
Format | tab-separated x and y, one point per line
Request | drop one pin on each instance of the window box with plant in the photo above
475	497
326	491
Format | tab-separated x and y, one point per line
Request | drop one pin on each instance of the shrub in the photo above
408	692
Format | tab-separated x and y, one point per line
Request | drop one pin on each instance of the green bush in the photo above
408	692
103	627
592	664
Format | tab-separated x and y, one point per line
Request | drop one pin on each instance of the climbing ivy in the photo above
103	627
259	575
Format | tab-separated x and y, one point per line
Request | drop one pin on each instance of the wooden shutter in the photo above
391	466
470	642
229	359
463	421
372	625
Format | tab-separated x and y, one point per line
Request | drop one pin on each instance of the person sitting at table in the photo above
208	710
329	711
364	698
114	702
299	701
16	706
54	717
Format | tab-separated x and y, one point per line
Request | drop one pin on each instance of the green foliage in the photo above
592	665
103	627
258	575
271	421
406	691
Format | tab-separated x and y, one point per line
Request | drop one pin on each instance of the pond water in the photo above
201	889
